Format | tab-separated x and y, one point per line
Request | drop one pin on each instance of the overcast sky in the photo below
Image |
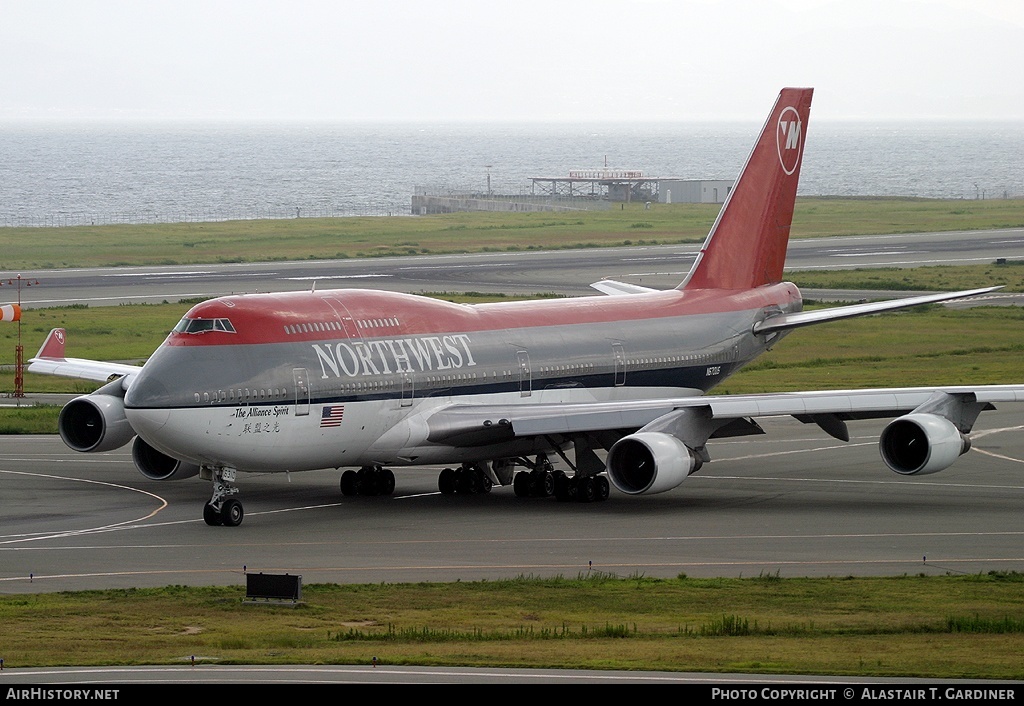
537	60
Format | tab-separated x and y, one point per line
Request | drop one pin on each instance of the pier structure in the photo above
582	189
607	184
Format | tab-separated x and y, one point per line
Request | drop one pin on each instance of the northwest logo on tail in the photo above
790	139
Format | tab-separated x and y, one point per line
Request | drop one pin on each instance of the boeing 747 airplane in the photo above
611	387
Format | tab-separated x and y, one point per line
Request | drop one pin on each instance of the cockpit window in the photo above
188	325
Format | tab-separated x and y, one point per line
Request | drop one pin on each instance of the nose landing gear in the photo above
222	509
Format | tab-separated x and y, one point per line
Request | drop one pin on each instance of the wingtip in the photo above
53	346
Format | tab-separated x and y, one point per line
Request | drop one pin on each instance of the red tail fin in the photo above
747	244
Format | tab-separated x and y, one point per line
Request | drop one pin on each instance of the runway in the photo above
565	272
792	503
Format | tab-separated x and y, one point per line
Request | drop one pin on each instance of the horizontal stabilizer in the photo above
610	286
785	322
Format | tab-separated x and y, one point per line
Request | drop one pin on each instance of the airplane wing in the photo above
50	360
841	405
471	424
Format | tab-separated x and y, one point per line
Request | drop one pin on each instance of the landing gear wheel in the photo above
470	480
565	488
521	485
211	516
367	480
464	482
446	482
546	487
231	513
387	481
349	485
586	490
483	481
602	488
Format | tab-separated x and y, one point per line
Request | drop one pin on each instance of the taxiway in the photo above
792	503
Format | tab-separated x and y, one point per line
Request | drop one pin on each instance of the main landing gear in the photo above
368	480
540	481
467	480
543	481
222	508
585	489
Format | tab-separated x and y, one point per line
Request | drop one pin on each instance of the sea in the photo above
61	174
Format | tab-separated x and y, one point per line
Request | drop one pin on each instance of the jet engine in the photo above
157	465
94	422
921	443
650	462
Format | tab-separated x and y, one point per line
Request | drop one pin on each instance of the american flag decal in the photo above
331	416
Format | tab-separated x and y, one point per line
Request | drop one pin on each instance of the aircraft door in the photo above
301	380
525	376
347	322
619	362
408	389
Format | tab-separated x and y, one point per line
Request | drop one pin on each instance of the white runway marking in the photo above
13	539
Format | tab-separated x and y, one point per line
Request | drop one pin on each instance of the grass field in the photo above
943	278
302	238
937	627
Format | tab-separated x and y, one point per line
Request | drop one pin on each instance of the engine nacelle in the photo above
94	422
921	443
157	465
650	462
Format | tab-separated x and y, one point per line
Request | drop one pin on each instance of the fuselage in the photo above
306	380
